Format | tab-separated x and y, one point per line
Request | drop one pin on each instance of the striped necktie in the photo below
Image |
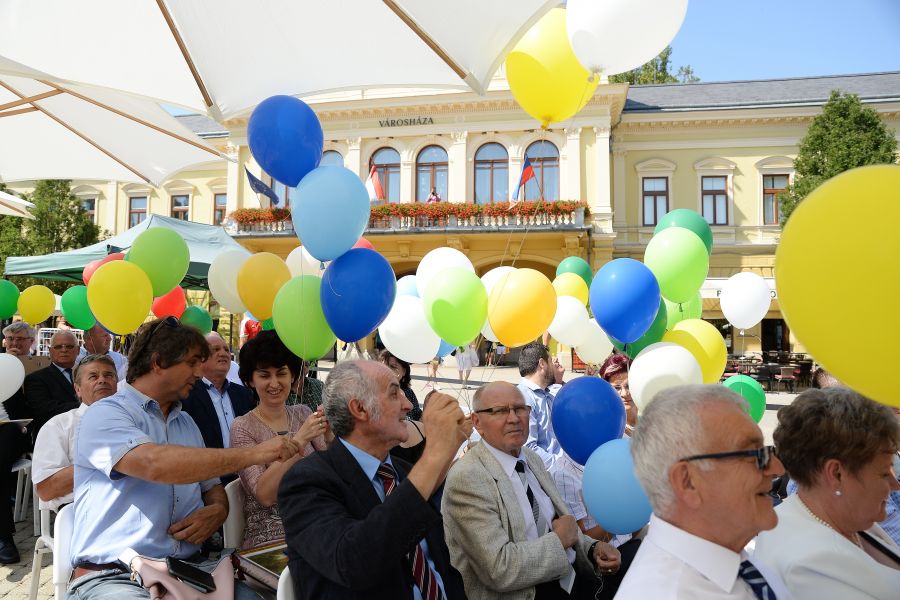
535	508
756	581
422	574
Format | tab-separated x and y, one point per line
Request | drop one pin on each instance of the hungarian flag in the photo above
373	186
526	176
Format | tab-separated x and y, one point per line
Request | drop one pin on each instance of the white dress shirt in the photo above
224	411
54	450
674	564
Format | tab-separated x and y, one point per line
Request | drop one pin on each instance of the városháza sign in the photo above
405	122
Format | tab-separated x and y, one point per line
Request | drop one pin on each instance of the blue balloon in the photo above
357	293
625	299
406	286
330	211
611	491
445	349
285	137
587	413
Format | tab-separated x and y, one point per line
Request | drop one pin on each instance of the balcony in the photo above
392	219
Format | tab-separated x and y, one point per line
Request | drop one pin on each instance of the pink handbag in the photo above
154	575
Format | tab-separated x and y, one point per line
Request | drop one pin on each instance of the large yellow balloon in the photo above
258	282
36	304
570	284
703	340
544	75
835	272
521	307
120	295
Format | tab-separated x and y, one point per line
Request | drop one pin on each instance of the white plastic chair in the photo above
62	561
285	586
23	487
233	528
43	545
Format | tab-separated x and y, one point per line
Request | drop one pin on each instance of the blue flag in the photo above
259	187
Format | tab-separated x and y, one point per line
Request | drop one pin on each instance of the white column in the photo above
516	158
233	178
570	188
620	217
352	158
457	168
601	205
112	207
407	177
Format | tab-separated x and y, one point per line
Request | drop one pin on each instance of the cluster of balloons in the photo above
552	70
35	303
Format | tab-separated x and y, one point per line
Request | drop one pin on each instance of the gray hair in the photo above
91	358
670	428
62	332
18	327
346	382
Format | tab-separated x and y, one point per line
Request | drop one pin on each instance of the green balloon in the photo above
456	305
163	255
268	325
299	320
577	265
692	309
690	220
198	318
751	391
74	306
9	298
680	262
651	336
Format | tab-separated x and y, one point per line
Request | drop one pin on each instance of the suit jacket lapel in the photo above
353	475
63	382
508	499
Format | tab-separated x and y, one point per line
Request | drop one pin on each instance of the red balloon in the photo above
172	303
96	264
364	243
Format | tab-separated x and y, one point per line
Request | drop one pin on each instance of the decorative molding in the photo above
715	163
775	162
403	248
780	142
655	164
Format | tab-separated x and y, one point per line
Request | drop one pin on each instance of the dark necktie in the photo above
421	571
535	509
756	581
68	373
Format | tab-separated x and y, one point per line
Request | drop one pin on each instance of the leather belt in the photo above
86	568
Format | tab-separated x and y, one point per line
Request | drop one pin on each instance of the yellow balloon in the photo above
521	307
703	340
570	284
120	295
258	282
836	284
544	75
36	304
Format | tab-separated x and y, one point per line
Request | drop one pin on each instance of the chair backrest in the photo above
233	528
285	586
787	372
62	537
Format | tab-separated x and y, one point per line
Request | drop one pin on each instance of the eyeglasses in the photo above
17	340
520	411
63	347
763	456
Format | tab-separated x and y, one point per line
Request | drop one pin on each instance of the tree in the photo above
845	136
59	224
657	71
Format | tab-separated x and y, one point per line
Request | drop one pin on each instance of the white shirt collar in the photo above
531	385
507	461
717	563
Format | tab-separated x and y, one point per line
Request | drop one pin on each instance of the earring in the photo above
837	492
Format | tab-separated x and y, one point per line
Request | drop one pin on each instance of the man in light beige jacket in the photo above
509	532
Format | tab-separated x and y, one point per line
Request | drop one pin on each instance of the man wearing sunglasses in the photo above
703	463
51	391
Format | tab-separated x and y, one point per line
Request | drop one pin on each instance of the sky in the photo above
725	40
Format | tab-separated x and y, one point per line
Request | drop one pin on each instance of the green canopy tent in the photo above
205	243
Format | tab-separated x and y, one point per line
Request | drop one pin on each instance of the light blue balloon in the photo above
445	349
612	493
330	211
406	286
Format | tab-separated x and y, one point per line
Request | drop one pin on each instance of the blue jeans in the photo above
115	585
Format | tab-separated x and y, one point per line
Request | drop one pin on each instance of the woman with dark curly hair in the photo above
615	371
839	446
402	370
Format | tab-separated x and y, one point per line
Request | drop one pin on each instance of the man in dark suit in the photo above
50	391
358	523
214	402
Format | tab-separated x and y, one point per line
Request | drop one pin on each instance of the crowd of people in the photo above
376	497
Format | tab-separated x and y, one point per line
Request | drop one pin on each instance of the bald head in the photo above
492	391
97	340
500	415
218	364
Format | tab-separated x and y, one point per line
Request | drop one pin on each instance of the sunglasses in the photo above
762	455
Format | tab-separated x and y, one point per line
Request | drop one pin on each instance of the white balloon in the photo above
602	33
222	279
595	346
661	366
570	324
406	286
436	261
489	280
12	375
745	299
406	332
301	262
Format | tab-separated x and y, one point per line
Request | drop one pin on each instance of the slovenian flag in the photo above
373	186
526	176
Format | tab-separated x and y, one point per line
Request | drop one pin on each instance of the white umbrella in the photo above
69	131
13	206
225	56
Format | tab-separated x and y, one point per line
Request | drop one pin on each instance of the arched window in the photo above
387	165
332	158
544	157
431	172
491	174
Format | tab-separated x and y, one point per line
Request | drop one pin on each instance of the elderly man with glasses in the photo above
702	461
18	338
50	391
510	533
